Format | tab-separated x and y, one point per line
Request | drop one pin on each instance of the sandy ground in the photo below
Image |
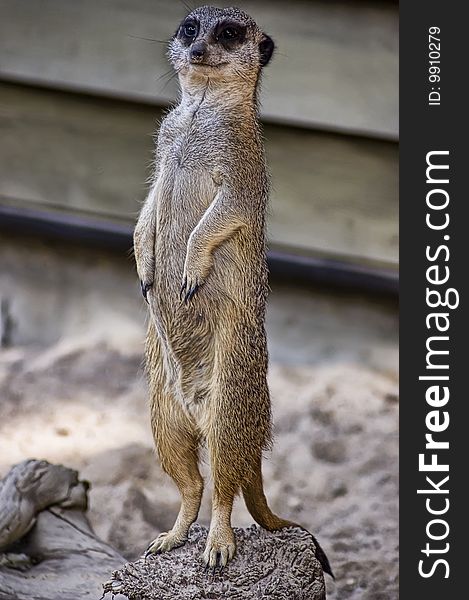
72	391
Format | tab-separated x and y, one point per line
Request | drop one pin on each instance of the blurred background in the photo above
82	87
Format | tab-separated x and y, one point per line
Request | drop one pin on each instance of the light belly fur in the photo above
184	331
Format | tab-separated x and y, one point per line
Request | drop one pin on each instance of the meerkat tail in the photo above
256	503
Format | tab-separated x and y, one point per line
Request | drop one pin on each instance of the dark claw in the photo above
218	566
145	287
183	288
191	293
148	551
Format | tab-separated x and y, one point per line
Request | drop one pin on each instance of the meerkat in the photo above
200	249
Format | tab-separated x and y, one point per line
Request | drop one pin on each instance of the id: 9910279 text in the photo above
434	96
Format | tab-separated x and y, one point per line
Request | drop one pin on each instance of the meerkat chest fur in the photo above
189	168
202	144
210	152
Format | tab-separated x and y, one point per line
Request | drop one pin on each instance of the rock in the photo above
278	566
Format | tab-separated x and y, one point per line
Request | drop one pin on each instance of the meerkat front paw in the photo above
145	286
165	542
146	283
195	273
145	259
189	288
220	548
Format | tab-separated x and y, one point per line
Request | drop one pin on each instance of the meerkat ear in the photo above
266	49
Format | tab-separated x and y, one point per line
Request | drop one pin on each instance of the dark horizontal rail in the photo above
118	237
68	227
335	273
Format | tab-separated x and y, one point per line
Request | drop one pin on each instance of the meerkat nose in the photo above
198	51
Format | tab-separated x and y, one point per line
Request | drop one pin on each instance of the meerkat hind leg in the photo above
221	545
178	450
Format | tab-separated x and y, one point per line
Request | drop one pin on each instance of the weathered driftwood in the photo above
29	488
47	548
278	566
49	552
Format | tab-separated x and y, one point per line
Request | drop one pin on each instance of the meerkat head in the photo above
220	44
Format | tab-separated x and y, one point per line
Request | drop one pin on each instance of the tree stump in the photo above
278	566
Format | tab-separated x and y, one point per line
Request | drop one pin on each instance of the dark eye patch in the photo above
188	31
229	34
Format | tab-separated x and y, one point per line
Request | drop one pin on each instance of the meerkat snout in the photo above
197	51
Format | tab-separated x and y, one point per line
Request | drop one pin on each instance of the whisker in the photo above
138	37
169	80
166	74
169	75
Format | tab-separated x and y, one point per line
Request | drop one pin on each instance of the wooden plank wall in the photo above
329	108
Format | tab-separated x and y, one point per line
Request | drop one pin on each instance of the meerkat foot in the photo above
165	542
220	549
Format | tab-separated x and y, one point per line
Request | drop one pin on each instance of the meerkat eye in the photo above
229	33
190	30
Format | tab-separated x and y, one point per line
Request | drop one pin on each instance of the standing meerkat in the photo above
200	250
